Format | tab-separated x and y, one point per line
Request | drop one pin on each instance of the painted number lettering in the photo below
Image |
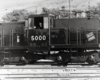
35	38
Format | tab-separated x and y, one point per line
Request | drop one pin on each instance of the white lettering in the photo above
38	38
44	37
32	38
18	39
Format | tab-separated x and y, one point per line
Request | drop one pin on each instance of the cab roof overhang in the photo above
39	15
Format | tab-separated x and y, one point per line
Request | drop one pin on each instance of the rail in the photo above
48	72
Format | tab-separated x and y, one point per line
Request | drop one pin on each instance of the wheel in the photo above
5	61
63	61
91	60
59	59
23	60
32	62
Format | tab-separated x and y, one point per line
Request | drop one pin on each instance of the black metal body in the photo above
44	34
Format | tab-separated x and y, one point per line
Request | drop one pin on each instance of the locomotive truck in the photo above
43	36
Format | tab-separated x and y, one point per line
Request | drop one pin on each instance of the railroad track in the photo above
48	72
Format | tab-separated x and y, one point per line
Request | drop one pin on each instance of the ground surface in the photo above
48	72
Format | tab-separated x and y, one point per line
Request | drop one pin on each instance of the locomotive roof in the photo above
39	15
78	19
12	22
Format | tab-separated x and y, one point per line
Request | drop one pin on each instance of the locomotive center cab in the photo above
38	33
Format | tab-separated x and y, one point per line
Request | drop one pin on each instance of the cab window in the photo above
38	22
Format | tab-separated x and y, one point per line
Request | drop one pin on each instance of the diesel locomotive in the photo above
45	37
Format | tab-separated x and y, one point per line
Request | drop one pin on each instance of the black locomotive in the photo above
44	37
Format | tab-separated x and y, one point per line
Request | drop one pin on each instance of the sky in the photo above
14	1
7	6
7	2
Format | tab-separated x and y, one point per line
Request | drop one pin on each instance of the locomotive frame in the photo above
62	40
